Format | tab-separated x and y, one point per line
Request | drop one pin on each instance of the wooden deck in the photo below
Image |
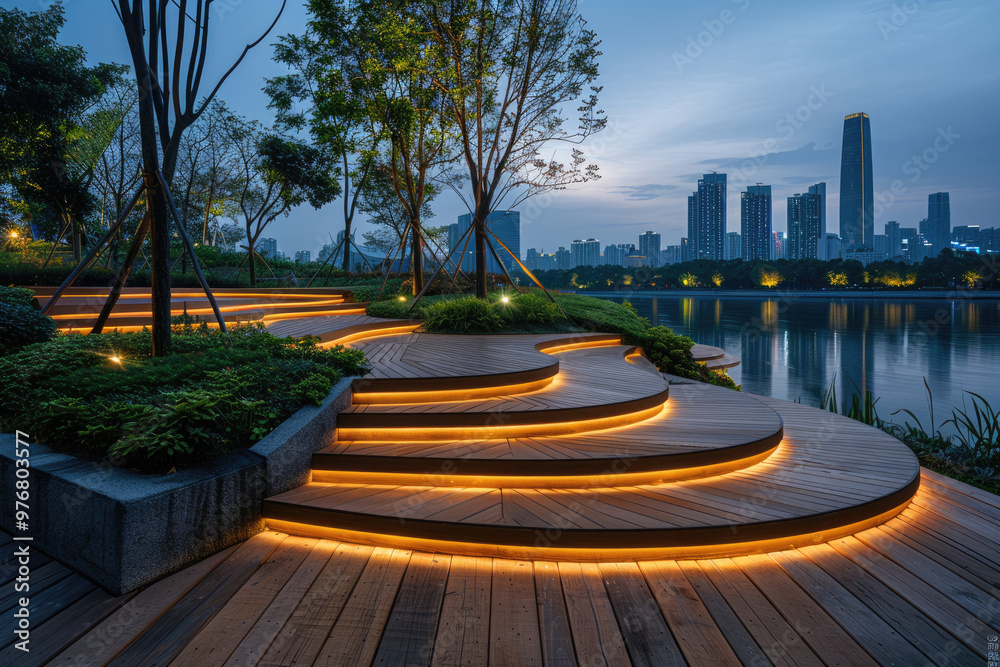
713	528
921	589
79	307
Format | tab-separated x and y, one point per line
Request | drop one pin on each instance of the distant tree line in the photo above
949	270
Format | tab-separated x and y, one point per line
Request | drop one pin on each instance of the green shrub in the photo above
18	296
395	310
465	315
158	413
22	325
530	309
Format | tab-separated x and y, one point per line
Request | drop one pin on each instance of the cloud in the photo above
643	192
808	154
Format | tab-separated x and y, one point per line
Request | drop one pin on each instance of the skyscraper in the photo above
585	253
857	212
690	242
649	247
894	239
505	224
803	226
755	222
707	218
820	189
939	222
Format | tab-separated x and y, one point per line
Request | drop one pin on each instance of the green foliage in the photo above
465	315
531	309
862	411
942	272
154	414
22	325
17	296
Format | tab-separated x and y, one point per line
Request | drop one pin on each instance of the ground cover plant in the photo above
530	311
965	447
21	323
105	396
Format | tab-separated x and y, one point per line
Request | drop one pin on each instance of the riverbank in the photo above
949	295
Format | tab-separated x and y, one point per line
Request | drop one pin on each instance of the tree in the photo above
275	174
45	90
323	68
510	69
169	70
117	172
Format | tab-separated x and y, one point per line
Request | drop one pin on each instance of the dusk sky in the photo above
694	87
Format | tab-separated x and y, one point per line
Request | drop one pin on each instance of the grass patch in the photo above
105	396
530	311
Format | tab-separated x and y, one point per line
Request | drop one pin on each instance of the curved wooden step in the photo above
687	440
830	477
593	384
407	369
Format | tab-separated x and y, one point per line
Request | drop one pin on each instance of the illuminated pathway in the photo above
536	500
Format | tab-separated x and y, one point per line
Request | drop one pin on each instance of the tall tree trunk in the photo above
417	259
252	256
77	244
347	245
481	258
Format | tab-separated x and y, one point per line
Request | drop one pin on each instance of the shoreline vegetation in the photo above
929	294
969	454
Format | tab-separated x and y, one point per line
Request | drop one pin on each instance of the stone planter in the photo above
124	530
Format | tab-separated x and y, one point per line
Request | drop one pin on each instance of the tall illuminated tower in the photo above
857	213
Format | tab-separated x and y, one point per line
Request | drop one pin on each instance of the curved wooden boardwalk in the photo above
715	529
920	589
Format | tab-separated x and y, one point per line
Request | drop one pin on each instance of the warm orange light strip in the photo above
223	309
314	313
607	479
372	333
449	395
498	431
580	346
605	555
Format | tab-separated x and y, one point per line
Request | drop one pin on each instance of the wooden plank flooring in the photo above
891	595
829	471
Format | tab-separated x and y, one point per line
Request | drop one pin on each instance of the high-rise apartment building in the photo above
585	253
564	258
267	247
649	247
618	254
303	256
938	222
734	245
505	224
820	189
857	211
803	226
707	218
755	222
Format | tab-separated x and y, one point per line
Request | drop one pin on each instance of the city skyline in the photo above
764	101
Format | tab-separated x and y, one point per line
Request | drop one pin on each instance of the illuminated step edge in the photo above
555	543
444	389
620	470
484	425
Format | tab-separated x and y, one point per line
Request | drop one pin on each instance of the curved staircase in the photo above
576	448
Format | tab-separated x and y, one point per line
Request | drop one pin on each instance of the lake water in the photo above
793	347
